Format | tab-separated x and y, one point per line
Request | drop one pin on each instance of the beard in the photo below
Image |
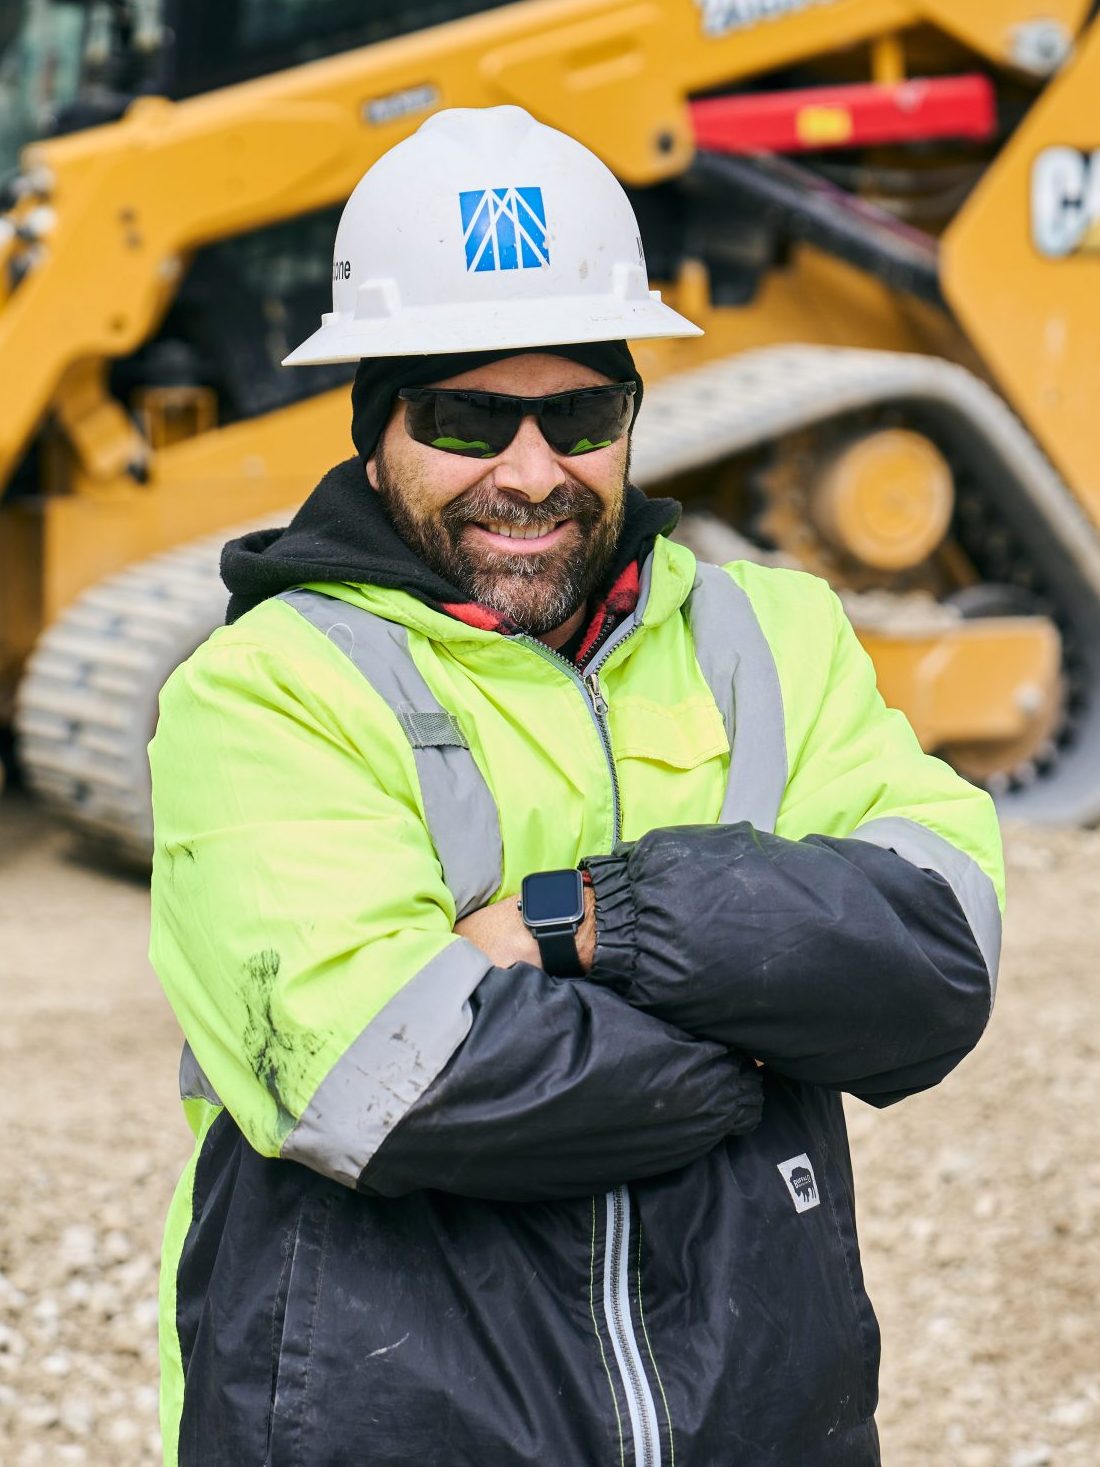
535	592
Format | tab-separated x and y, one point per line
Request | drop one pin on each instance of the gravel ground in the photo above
979	1203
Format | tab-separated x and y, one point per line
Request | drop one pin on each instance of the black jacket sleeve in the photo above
832	960
561	1089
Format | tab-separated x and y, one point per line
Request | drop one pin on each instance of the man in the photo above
567	1184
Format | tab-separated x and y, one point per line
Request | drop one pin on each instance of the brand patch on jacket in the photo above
798	1174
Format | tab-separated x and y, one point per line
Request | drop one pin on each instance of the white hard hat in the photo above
486	230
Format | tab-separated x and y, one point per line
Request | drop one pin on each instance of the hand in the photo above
499	932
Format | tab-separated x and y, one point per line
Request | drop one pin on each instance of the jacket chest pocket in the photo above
672	761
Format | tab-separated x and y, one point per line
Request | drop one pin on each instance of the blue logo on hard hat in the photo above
504	229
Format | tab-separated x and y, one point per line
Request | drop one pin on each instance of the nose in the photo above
528	465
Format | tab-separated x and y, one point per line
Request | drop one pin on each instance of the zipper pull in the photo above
595	692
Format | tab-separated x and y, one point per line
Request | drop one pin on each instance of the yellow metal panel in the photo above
989	680
96	426
1035	316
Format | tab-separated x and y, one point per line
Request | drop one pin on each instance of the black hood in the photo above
342	533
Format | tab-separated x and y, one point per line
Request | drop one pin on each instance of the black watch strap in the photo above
558	951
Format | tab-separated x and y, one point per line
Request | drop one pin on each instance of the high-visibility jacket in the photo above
443	1212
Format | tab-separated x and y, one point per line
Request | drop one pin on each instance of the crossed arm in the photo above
834	961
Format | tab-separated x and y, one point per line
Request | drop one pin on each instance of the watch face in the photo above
553	896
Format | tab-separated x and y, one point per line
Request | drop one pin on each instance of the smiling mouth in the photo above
520	539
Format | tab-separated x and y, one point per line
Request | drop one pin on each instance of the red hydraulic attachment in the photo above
862	113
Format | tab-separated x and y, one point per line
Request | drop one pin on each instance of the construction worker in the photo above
528	894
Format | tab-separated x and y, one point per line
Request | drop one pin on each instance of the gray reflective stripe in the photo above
973	888
734	657
193	1083
461	812
386	1070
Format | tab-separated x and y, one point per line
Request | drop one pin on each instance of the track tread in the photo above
87	704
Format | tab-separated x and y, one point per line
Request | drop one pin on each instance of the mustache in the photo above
565	502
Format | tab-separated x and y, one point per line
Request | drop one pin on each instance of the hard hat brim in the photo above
436	330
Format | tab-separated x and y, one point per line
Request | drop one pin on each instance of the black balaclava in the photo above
379	379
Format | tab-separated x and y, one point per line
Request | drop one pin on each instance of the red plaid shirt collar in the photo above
619	601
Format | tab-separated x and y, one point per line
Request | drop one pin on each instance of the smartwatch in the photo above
551	904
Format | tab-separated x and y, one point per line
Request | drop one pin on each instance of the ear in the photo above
371	464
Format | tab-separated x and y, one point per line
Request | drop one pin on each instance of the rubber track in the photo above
87	705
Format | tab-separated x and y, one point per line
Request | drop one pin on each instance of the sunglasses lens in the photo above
482	424
473	425
583	422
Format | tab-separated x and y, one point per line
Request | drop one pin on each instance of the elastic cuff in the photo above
616	954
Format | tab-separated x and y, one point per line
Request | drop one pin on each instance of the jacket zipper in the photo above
624	1342
596	703
599	709
616	1266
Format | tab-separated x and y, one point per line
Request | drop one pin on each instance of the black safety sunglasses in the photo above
482	424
